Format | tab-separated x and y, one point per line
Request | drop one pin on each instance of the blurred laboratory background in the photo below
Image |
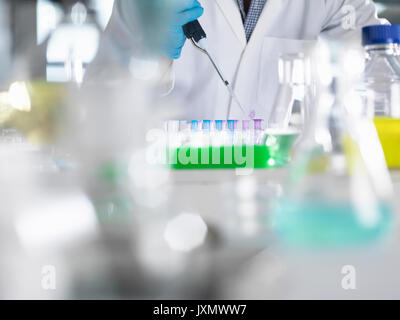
42	16
103	196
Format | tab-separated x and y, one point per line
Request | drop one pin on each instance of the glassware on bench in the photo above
339	193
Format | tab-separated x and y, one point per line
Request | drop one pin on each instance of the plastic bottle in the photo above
382	86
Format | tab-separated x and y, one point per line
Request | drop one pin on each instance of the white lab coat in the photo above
285	26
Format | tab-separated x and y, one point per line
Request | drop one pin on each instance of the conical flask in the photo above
291	108
339	191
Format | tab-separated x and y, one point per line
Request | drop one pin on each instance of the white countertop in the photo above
269	271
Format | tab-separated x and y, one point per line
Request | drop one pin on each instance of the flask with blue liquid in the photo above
339	194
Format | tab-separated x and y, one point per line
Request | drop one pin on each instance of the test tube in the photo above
183	125
224	125
232	125
196	134
172	125
229	132
246	134
245	125
219	125
195	125
206	125
234	132
184	132
258	124
172	129
257	130
218	135
206	133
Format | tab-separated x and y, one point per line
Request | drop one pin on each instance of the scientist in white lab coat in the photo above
247	37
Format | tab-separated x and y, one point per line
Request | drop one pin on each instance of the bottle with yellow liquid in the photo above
382	86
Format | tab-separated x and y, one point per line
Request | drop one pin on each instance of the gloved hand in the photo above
186	11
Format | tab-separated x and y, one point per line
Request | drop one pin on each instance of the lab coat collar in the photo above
231	11
269	14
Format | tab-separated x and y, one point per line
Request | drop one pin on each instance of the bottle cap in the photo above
380	34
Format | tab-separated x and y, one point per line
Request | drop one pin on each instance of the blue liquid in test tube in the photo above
218	125
232	125
195	125
206	125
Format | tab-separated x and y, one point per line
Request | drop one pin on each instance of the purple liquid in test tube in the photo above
245	125
257	131
258	124
246	133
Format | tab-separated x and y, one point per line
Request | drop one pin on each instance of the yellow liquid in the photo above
389	134
42	117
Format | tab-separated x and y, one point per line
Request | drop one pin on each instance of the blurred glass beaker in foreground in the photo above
35	102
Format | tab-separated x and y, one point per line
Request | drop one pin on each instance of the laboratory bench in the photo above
237	205
240	257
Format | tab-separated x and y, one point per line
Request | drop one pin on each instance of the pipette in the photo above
194	32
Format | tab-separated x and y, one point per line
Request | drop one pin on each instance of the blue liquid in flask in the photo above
320	224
